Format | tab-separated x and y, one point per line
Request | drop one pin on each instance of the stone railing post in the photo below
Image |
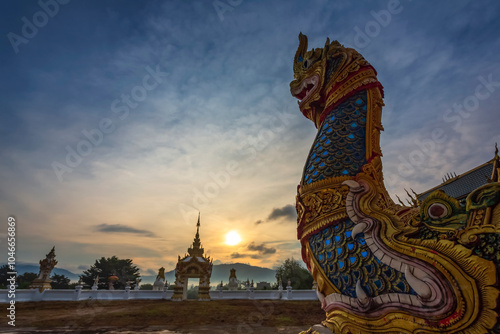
78	292
127	292
289	291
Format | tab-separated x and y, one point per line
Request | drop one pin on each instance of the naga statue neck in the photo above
338	90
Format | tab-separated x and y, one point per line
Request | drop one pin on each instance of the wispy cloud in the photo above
119	228
287	212
261	249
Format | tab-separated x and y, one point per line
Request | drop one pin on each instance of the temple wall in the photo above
79	294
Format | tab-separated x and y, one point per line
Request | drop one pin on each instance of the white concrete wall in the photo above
77	294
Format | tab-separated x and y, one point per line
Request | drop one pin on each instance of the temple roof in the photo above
462	185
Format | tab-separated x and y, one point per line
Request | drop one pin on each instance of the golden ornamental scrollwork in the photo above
320	207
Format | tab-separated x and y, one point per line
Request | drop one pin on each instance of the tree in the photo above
192	292
292	270
4	276
59	282
147	286
24	280
111	266
73	286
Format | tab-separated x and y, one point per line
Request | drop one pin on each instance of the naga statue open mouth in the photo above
305	89
382	267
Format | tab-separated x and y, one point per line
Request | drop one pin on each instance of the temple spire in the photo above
198	227
196	249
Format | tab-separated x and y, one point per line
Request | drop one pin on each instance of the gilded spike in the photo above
400	201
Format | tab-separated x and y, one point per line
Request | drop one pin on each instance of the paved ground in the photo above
188	330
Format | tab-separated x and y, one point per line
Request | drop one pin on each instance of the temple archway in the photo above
193	265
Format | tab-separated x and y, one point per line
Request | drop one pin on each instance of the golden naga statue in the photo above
382	267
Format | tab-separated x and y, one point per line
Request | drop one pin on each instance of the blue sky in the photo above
192	102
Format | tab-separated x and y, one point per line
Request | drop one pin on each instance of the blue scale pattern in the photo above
339	148
345	260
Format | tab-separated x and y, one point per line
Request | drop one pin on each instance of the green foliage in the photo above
3	276
106	267
24	280
72	286
59	282
292	270
192	292
146	286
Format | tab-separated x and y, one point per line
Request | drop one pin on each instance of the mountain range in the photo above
22	268
220	272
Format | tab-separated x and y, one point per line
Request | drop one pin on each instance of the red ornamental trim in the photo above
348	95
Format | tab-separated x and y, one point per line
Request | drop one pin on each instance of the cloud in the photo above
237	255
261	252
258	222
262	249
119	228
287	212
83	267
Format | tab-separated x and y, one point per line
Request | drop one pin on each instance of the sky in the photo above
121	120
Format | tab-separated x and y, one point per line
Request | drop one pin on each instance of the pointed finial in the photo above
496	150
198	225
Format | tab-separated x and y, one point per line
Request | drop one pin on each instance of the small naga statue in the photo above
381	267
159	283
46	265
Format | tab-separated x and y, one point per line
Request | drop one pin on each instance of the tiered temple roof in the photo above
459	186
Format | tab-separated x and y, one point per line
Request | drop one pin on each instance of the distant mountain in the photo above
22	268
220	272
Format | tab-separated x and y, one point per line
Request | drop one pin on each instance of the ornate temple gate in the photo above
193	265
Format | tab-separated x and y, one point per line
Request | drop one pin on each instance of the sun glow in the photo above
233	238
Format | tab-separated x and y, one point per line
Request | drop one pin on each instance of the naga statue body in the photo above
382	267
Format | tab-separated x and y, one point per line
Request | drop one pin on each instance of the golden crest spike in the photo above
302	49
400	201
416	197
327	47
407	193
496	150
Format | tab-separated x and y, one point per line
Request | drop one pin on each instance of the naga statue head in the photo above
381	267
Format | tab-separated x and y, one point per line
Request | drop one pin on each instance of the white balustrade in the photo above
26	295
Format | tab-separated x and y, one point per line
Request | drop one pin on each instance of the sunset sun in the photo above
232	238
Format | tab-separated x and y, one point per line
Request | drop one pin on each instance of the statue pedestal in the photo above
41	285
